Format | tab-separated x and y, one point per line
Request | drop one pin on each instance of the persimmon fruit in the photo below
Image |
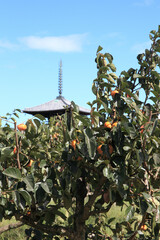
107	125
113	93
142	129
114	124
15	150
30	163
110	149
22	127
144	227
73	144
99	150
28	213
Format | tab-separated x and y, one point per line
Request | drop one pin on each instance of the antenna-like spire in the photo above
60	79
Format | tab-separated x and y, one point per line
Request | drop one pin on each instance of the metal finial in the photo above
60	79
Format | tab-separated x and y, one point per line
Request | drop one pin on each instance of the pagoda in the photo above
56	106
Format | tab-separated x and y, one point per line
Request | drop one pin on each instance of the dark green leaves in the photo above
129	212
109	57
90	142
26	196
47	186
29	181
13	173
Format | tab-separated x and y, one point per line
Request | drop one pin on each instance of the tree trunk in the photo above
79	224
80	234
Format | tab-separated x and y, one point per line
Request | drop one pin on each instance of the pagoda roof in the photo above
54	107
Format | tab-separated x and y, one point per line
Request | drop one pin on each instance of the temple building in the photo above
57	106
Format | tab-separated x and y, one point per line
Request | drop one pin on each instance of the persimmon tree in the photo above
83	167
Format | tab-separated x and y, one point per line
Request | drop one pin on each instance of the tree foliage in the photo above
59	177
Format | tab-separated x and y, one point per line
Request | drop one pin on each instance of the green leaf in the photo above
43	163
29	181
75	107
18	110
94	89
112	67
126	148
129	213
16	197
146	195
154	126
6	151
99	49
83	119
107	173
13	172
110	79
156	158
37	122
109	57
47	186
90	142
136	75
114	76
26	196
40	117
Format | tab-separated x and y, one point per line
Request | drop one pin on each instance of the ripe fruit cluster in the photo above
144	227
109	125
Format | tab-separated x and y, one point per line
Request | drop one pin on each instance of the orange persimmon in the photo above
22	127
114	124
113	93
99	150
107	125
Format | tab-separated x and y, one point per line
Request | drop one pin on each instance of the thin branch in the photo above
17	145
1	118
10	226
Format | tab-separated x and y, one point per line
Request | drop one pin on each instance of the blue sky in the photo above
36	34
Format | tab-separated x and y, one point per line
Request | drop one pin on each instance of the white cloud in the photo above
140	47
70	43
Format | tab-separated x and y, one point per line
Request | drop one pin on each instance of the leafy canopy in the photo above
62	178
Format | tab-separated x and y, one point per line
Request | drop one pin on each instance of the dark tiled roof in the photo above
54	107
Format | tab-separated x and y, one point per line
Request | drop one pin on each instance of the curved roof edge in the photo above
54	107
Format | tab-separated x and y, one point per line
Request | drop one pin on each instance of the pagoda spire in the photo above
60	79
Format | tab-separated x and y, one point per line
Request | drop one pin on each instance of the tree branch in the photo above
17	145
10	226
92	198
55	230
